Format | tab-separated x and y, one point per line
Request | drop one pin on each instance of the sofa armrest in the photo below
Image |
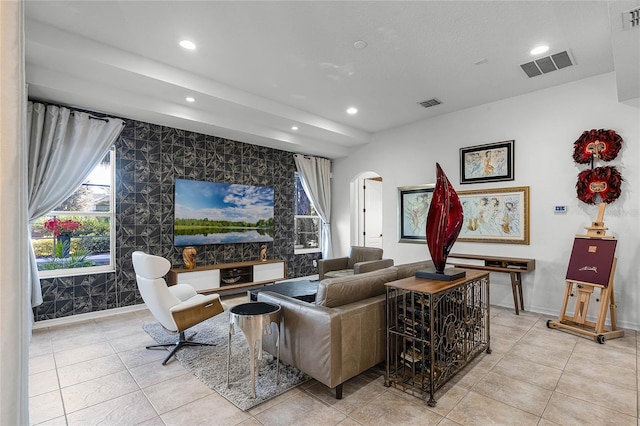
310	337
371	265
331	345
335	264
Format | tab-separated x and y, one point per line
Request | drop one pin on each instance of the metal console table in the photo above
434	328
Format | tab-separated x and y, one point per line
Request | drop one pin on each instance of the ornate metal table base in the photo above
254	319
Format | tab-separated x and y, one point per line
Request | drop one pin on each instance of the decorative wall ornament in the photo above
444	221
605	181
189	257
600	144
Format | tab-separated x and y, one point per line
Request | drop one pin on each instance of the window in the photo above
77	237
307	223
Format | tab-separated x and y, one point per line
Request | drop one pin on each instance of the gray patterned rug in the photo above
209	363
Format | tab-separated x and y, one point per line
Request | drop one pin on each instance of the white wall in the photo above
544	125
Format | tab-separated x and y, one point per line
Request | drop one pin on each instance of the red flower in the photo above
61	227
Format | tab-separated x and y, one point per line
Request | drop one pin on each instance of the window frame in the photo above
111	214
296	217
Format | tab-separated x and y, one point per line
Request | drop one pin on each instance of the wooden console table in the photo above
514	266
229	276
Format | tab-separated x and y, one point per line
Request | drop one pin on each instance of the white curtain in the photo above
315	175
15	306
64	147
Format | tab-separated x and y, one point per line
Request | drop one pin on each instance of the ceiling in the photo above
262	67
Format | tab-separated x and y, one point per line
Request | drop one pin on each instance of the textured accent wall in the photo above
148	160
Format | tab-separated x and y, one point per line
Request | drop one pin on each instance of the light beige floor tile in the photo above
83	353
115	330
250	422
132	341
565	410
447	397
277	400
476	409
141	355
91	369
603	354
66	332
516	393
58	421
129	409
389	408
604	372
44	382
348	422
77	341
528	371
40	346
45	407
543	336
548	355
447	422
170	394
356	392
38	364
599	393
155	421
302	408
98	390
522	323
152	373
500	332
210	410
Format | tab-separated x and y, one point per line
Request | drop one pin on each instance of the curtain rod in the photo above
73	110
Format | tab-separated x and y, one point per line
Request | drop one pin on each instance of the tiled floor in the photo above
98	372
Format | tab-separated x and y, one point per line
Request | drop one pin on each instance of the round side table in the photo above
254	319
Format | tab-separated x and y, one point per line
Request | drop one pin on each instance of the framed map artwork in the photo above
413	206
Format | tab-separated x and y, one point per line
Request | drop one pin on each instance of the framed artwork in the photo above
487	163
499	215
413	206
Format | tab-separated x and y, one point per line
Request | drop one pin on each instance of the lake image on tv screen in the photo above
222	213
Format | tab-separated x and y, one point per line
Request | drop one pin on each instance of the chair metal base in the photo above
179	344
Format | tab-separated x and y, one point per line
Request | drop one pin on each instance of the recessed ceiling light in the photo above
188	44
190	99
294	128
352	110
539	50
360	44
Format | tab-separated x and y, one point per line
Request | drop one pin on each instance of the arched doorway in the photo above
366	210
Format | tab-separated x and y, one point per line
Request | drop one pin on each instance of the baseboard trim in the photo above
72	319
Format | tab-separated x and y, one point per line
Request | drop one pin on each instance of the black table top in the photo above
301	289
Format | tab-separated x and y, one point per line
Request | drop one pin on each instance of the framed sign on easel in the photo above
592	266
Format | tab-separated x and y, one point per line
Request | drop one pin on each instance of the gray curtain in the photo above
64	147
315	175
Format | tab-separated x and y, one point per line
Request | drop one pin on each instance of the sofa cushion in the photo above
409	269
333	292
340	273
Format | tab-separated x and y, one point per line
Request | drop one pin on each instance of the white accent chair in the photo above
177	307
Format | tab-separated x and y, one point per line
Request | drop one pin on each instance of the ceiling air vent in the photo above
430	103
547	64
631	19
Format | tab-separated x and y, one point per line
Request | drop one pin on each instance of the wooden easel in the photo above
578	322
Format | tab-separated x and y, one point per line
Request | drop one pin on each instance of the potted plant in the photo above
62	230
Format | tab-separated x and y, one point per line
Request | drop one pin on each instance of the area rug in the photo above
209	363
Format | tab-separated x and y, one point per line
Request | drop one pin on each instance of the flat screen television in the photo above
222	213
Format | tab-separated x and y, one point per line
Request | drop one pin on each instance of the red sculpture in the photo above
444	220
